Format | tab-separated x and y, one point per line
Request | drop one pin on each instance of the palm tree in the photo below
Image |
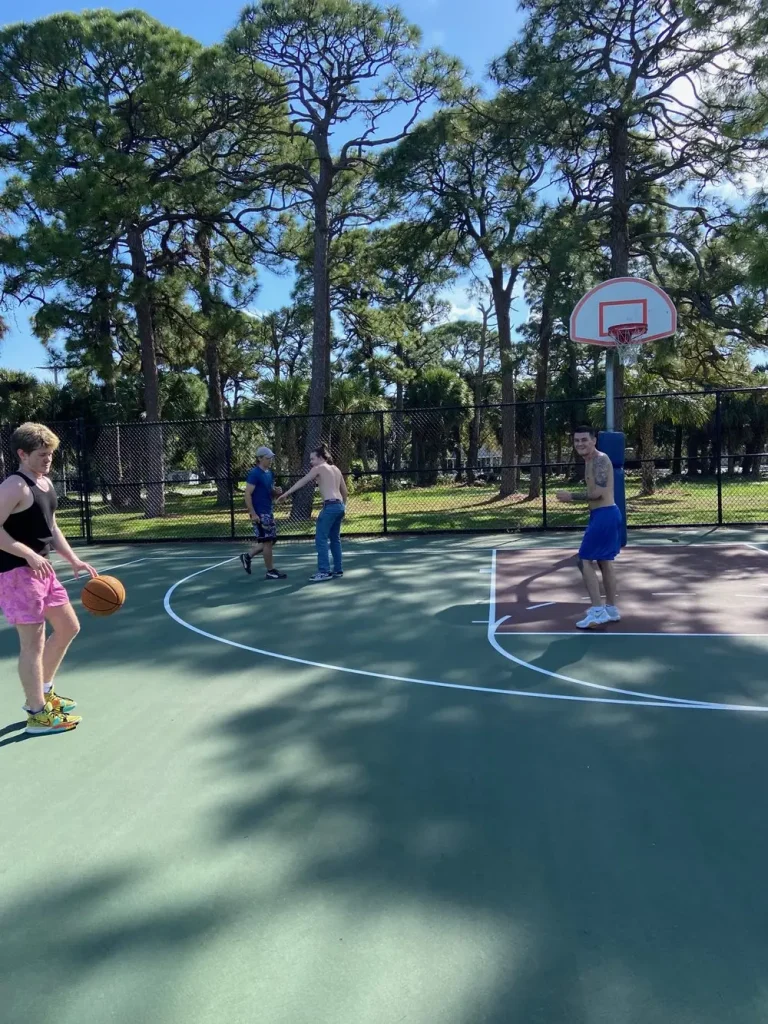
642	414
354	421
284	400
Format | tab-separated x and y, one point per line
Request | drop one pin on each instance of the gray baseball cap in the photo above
264	453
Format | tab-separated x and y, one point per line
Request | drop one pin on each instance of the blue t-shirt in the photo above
262	481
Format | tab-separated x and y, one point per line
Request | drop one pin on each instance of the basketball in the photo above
103	595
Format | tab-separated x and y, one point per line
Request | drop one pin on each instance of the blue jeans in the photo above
328	530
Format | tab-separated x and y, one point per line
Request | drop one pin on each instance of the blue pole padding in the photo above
611	442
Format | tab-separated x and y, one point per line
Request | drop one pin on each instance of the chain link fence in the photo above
693	459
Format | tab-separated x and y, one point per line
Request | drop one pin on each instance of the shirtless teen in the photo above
30	594
602	540
328	528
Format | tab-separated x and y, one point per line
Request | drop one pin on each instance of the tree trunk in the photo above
647	453
213	456
502	299
398	425
677	452
756	462
712	468
692	453
477	415
328	334
473	447
122	495
459	464
346	445
619	232
540	394
155	461
302	502
362	454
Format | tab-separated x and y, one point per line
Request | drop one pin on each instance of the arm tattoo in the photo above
602	467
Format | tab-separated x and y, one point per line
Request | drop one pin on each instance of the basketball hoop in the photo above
627	348
623	314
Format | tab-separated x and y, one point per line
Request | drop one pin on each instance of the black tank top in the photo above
33	526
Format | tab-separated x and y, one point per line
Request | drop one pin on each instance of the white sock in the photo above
48	687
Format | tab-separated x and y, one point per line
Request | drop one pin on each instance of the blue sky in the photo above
474	32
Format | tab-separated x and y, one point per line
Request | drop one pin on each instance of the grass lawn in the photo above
193	516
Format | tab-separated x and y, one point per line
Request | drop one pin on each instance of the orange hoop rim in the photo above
627	334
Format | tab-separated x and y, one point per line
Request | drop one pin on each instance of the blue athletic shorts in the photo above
602	540
265	529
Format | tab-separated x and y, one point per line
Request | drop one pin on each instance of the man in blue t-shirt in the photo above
259	491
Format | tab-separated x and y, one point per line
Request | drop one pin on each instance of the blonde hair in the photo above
31	436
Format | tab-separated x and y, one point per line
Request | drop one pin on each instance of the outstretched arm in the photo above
307	478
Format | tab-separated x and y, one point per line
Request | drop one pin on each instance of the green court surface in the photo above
361	802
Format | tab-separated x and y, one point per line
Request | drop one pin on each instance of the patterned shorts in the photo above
25	598
265	529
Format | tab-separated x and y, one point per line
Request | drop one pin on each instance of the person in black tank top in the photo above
30	593
31	526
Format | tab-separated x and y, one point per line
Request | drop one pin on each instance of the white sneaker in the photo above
613	613
320	577
594	617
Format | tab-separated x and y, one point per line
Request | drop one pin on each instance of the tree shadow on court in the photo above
85	947
434	856
586	878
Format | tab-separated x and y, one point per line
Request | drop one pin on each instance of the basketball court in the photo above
407	795
685	591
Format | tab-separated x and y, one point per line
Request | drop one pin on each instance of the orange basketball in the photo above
103	595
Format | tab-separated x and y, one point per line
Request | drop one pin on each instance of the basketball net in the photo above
627	346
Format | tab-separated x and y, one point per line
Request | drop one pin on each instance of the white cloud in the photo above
463	313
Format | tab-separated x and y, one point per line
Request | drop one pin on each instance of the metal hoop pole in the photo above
610	363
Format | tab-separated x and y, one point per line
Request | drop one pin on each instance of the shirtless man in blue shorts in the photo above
602	540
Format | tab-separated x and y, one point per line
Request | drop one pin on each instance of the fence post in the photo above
383	471
85	482
543	444
230	481
719	451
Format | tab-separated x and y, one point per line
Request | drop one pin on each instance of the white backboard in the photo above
623	300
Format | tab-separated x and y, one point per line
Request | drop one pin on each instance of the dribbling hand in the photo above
79	566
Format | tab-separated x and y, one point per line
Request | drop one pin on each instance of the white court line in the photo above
598	632
578	698
110	568
651	698
544	604
688	593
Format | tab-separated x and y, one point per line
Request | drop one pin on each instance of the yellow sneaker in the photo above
47	722
64	705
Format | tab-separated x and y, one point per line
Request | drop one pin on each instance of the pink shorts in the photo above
24	598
